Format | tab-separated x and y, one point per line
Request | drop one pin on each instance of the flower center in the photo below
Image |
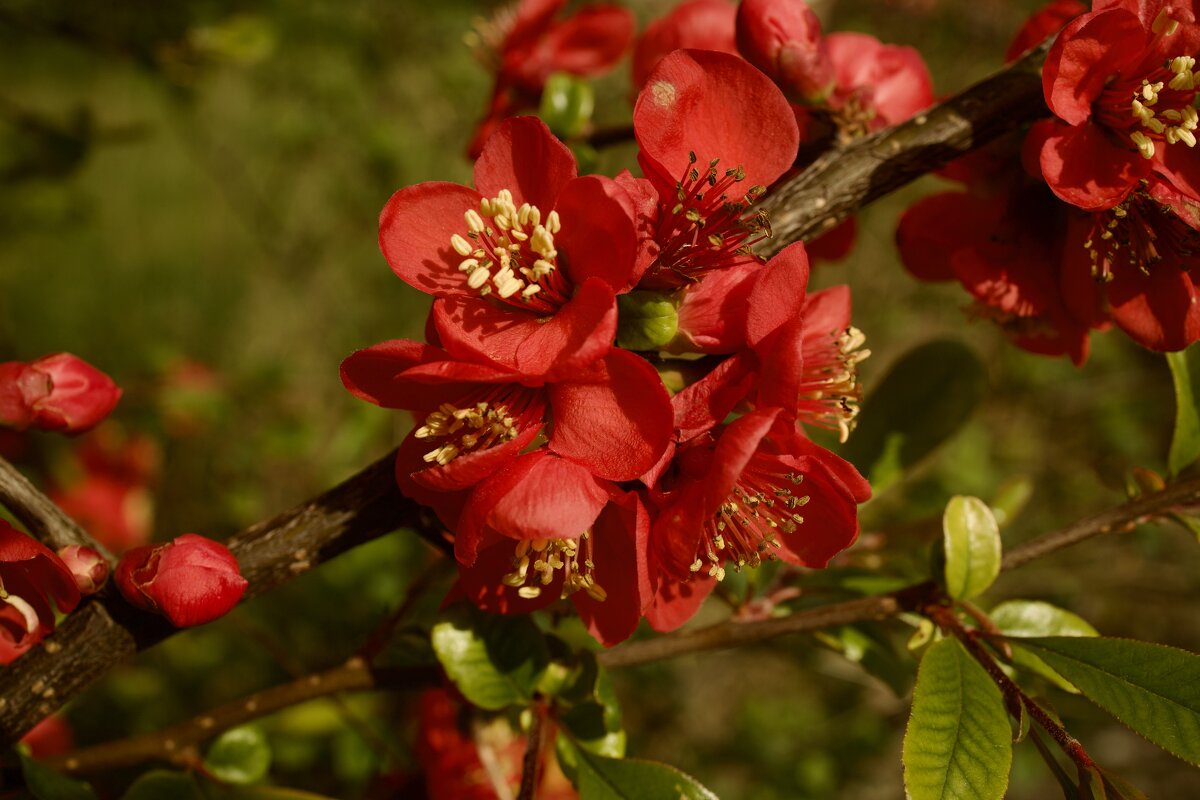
472	428
508	253
536	561
1159	110
486	39
705	229
746	526
1136	234
829	392
854	115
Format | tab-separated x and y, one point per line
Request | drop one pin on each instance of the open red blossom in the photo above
544	529
691	25
58	392
524	45
753	490
190	580
32	577
1120	81
614	416
877	84
783	39
713	132
526	265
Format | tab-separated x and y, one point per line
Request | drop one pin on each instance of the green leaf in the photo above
495	661
48	784
1022	618
923	400
1185	442
567	104
240	755
601	778
161	784
971	540
958	745
865	645
1152	688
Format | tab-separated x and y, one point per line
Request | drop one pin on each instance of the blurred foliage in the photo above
197	183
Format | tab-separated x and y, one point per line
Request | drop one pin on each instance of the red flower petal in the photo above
598	238
696	24
932	228
590	42
1087	52
675	602
524	157
896	77
1160	310
712	316
618	549
532	346
617	420
706	403
1083	167
777	296
716	106
1046	21
405	374
414	234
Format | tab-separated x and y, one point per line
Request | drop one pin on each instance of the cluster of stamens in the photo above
475	427
509	252
1163	108
745	528
854	115
536	561
705	229
486	41
1138	233
27	611
830	393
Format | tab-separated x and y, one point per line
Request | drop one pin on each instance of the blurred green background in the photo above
198	183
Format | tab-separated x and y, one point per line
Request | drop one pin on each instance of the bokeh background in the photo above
188	199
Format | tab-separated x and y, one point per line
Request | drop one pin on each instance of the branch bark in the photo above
847	178
105	630
39	515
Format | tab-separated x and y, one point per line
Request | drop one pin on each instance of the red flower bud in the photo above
89	568
57	393
190	581
783	39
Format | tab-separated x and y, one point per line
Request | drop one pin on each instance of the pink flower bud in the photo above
190	581
783	39
89	568
56	393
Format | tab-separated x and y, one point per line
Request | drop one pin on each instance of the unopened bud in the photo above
783	39
88	567
57	393
191	580
646	320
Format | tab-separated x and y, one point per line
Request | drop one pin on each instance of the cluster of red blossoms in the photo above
1091	217
612	397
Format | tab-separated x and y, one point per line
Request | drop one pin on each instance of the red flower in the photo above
709	124
1120	81
614	416
692	25
877	84
56	393
526	266
749	491
190	581
525	45
31	577
783	39
544	528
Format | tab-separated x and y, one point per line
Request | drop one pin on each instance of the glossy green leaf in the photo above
161	784
1152	688
567	104
495	661
240	755
971	540
958	745
1034	618
48	784
923	400
601	778
1185	442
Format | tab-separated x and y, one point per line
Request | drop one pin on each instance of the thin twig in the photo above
167	745
531	763
38	514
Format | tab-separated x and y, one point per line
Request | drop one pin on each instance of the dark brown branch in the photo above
42	518
170	744
847	178
106	631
